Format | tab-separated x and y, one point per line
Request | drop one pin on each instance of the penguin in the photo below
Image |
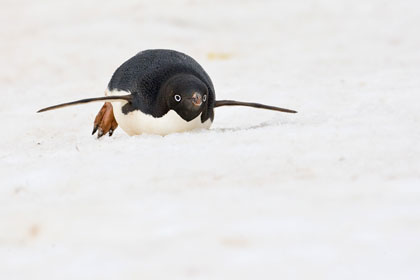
158	91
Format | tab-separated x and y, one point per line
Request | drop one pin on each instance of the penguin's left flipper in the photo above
105	121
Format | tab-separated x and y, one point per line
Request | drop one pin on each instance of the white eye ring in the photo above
204	98
177	97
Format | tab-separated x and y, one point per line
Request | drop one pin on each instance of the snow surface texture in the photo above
329	193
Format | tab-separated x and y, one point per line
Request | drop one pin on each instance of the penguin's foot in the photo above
105	121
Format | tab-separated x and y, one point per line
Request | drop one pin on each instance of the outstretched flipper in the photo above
105	121
220	103
87	100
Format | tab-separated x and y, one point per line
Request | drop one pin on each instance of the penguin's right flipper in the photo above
105	121
127	98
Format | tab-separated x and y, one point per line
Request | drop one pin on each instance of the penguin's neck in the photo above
161	106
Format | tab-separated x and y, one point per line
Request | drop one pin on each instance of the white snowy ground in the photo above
330	193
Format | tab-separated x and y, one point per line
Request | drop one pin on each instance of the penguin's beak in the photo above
196	99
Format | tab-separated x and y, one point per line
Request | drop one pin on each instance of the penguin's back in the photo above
143	75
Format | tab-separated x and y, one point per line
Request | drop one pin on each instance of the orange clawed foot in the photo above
105	121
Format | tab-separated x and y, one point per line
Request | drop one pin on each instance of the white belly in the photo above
137	122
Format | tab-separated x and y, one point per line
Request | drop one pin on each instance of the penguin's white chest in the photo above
137	122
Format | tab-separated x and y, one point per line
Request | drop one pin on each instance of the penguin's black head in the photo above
185	94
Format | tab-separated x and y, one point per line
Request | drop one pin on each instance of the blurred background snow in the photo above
329	193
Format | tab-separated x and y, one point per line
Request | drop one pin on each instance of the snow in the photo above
329	193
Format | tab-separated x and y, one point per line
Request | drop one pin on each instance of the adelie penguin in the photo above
158	92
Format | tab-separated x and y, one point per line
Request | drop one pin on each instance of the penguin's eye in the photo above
177	97
204	98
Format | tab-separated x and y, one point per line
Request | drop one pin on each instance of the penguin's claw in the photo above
100	133
95	128
105	121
